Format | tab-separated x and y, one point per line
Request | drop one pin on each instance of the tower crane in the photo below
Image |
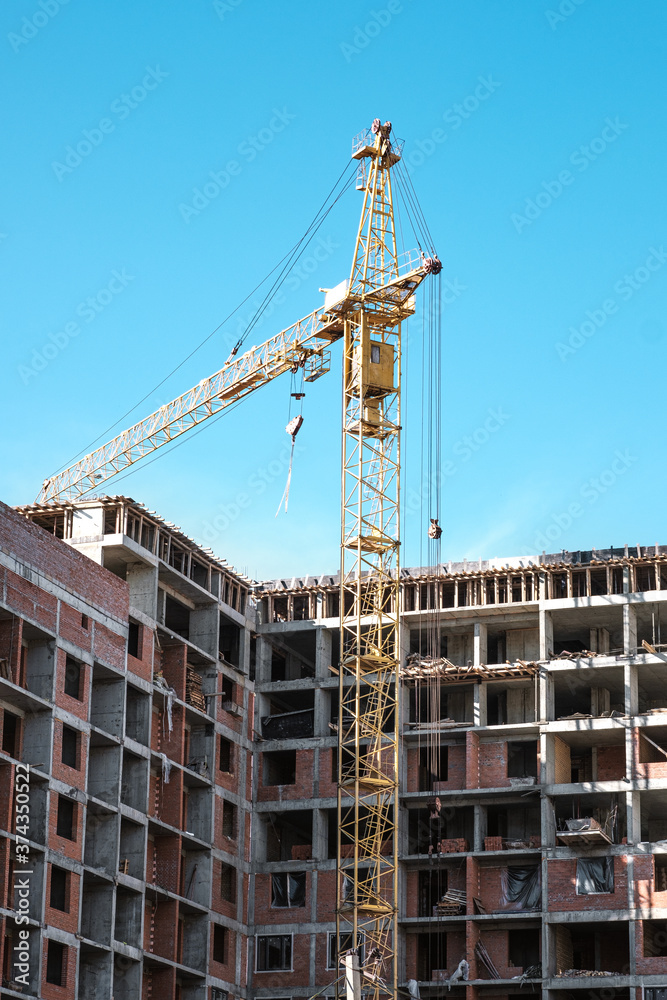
366	312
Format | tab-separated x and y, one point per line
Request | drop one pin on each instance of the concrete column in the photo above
262	661
142	581
634	818
321	713
631	689
546	634
629	629
480	644
547	823
320	829
244	651
323	654
546	705
205	628
479	704
479	827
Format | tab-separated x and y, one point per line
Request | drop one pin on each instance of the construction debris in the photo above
426	666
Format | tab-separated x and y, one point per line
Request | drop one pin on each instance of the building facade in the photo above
181	723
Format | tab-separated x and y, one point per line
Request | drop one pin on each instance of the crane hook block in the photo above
434	529
294	426
431	265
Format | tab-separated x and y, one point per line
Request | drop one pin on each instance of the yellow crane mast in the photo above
380	296
366	312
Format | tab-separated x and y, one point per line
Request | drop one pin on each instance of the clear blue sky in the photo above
523	92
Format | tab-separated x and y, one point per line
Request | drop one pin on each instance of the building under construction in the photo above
182	726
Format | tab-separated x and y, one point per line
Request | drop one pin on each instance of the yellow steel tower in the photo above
380	295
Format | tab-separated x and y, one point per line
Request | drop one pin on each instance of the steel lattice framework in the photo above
379	298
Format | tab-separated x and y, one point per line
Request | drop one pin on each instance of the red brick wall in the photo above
51	992
55	559
493	765
109	647
71	628
611	763
303	783
326	896
142	665
300	966
74	777
472	759
56	918
70	848
281	914
562	890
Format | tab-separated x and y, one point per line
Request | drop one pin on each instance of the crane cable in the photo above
290	257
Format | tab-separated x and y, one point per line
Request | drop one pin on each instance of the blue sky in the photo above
535	139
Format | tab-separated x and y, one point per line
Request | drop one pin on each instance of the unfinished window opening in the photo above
65	818
490	591
226	690
288	889
516	589
409	597
432	887
427	829
660	872
655	938
176	617
219	943
274	952
85	622
524	947
11	728
59	891
70	747
226	755
289	835
280	767
598	582
229	641
228	882
278	666
431	955
229	820
147	535
595	875
581	764
134	640
110	514
73	678
517	826
199	573
280	609
301	607
495	647
558	586
462	593
433	766
55	963
502	590
427	596
644	578
579	584
522	759
333	604
529	587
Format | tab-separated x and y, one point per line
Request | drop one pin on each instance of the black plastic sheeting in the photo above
288	725
288	890
522	888
595	875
